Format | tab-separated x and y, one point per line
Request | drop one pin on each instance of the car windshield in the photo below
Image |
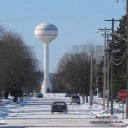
59	103
75	96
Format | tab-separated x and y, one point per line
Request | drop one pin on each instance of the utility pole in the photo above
104	67
91	95
111	87
104	84
108	70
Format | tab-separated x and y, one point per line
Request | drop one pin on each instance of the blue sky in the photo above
76	20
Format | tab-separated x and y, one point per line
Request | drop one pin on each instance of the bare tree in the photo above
19	67
74	70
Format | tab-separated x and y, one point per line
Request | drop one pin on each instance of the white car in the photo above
75	99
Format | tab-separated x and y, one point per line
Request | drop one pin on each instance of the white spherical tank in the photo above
46	32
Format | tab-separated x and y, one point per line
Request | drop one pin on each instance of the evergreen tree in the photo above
119	58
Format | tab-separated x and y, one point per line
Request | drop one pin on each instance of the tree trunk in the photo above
87	99
83	97
6	94
15	96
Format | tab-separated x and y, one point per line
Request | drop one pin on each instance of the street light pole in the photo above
91	80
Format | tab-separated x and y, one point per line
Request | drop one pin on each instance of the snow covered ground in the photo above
36	113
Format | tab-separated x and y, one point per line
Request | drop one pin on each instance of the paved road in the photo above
57	123
35	113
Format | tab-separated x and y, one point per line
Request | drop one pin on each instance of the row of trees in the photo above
73	73
19	70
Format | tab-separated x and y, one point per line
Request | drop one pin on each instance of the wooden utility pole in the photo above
105	65
91	93
112	77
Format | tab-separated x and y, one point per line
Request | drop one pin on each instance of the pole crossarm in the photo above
112	19
103	29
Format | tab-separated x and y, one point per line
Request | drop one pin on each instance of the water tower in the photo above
46	32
